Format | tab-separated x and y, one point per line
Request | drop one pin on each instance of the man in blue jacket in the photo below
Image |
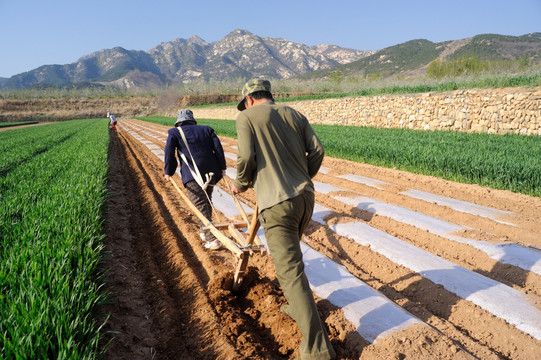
196	144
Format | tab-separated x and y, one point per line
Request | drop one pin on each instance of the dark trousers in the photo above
284	224
198	197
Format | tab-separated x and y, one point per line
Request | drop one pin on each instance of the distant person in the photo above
196	144
112	123
278	155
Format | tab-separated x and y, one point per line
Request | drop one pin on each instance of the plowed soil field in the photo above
402	266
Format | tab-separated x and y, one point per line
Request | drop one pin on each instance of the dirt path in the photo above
454	294
5	128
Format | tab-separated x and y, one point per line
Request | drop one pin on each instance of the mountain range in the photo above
414	56
241	55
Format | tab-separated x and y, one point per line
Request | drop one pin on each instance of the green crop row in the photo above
508	162
51	227
19	145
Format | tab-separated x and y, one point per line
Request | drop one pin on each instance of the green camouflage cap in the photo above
251	87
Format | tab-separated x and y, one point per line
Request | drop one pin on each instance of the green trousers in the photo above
284	224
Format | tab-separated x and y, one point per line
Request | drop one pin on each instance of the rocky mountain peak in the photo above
194	39
239	54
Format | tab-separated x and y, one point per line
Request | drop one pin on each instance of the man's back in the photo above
203	145
279	138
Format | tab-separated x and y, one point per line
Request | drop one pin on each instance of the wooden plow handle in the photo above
254	224
242	253
206	222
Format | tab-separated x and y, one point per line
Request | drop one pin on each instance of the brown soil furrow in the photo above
157	288
160	265
452	251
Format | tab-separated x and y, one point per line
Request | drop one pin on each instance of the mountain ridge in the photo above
414	56
242	54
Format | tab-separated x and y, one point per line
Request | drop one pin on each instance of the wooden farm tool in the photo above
254	224
243	247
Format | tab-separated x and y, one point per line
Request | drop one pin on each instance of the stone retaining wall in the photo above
493	111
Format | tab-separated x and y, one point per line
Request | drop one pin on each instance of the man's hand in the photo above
236	190
167	177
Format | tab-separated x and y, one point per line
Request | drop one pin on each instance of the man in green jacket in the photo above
278	155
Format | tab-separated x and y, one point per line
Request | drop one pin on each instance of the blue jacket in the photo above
205	147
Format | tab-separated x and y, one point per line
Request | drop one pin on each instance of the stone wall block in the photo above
516	110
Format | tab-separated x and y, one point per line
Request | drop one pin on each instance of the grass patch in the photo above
449	85
221	127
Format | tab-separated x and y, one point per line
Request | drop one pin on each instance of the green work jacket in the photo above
278	153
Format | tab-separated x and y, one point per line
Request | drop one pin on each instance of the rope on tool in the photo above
195	171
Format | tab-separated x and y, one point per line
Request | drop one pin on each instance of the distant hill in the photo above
415	55
241	54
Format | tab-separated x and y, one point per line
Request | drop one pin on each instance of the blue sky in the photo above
41	32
